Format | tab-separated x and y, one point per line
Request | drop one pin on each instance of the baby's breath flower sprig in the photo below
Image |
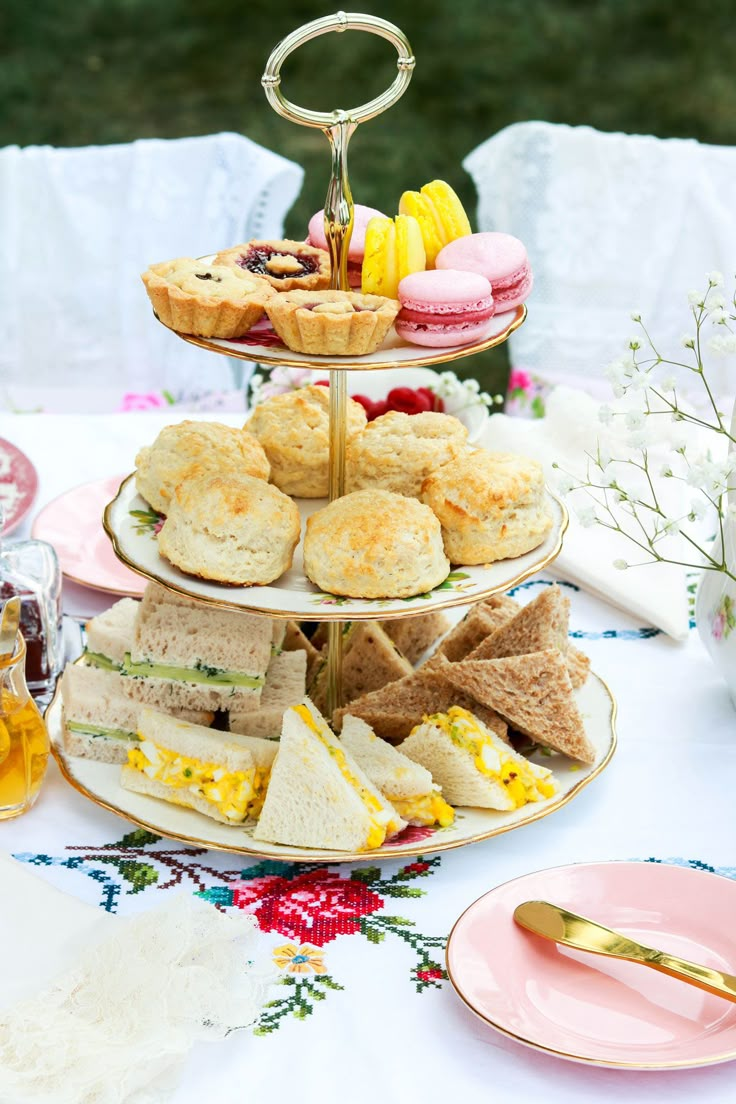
461	394
623	492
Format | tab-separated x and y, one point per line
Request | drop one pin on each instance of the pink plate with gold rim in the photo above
603	1011
72	523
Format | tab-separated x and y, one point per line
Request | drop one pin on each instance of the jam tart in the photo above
287	265
209	300
333	323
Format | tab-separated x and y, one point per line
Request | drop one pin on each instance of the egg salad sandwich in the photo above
99	720
406	784
220	774
473	766
318	796
110	635
189	655
285	686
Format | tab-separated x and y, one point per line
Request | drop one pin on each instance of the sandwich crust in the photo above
232	528
491	505
374	544
184	451
294	432
398	451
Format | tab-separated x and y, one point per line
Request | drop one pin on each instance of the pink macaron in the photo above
501	258
361	217
444	307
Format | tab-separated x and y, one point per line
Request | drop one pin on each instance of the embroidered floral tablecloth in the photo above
361	1008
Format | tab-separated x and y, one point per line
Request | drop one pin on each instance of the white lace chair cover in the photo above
78	226
612	223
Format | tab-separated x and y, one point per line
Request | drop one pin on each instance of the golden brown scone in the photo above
492	505
231	528
184	451
286	265
374	544
398	451
337	323
294	431
209	300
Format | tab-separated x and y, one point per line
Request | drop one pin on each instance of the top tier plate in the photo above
394	353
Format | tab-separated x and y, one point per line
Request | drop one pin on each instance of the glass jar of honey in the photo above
24	741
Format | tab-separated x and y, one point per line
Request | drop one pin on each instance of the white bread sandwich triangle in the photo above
533	692
285	686
99	720
541	624
473	766
407	785
222	775
188	655
110	635
318	797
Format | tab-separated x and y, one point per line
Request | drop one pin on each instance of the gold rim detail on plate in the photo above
302	360
318	613
430	845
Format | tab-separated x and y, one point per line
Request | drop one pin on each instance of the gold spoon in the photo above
569	929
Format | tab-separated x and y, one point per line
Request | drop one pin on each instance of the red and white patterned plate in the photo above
18	484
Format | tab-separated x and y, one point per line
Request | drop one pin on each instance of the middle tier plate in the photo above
132	526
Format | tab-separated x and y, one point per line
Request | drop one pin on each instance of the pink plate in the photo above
597	1010
72	523
18	484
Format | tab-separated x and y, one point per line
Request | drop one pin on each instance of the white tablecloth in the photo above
381	1022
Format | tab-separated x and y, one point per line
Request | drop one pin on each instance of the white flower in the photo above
473	386
636	316
620	565
635	419
665	472
605	414
641	381
723	345
639	439
671	527
587	516
566	483
695	298
603	457
698	509
714	278
634	344
687	341
618	390
498	399
667	384
716	302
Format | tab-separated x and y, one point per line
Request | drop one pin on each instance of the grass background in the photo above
80	72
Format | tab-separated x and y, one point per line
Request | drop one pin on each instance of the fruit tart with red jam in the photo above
333	323
287	265
208	300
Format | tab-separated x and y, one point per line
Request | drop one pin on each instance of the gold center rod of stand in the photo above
338	126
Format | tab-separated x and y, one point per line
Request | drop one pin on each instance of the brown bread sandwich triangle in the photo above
482	620
532	692
540	625
394	710
370	660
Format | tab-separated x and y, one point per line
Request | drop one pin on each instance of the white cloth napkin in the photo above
100	1010
656	594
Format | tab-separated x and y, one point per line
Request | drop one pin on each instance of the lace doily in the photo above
116	1028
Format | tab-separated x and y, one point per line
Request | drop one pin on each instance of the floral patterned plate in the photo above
100	783
18	485
132	526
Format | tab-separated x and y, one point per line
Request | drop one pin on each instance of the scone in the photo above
375	544
286	265
492	505
398	451
231	528
338	323
294	430
184	451
209	300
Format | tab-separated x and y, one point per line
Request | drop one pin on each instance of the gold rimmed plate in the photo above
100	782
132	527
262	345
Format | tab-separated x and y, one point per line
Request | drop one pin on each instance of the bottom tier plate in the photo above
100	783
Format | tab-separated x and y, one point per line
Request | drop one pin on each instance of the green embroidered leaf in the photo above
138	874
373	935
368	875
139	838
398	921
402	891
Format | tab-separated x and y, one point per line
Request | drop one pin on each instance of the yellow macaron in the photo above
440	214
394	248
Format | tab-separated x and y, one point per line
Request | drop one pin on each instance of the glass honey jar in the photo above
24	741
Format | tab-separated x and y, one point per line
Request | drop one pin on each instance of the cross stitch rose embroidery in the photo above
314	907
